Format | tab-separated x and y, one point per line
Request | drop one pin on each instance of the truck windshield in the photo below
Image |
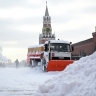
60	47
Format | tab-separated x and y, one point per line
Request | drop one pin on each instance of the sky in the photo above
21	21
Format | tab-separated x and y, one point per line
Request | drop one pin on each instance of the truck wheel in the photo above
31	63
44	68
43	62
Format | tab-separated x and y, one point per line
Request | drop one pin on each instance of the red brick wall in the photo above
83	47
42	41
94	40
88	46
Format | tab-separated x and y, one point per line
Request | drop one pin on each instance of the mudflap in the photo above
58	65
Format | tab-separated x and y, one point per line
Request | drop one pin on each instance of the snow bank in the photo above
78	79
2	58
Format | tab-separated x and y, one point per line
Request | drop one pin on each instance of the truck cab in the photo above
57	50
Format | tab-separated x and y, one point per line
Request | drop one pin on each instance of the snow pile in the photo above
2	58
78	79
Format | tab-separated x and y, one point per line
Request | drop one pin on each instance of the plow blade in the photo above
58	65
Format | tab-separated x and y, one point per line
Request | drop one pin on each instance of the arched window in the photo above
44	19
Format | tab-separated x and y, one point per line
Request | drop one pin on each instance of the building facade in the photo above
47	29
81	48
86	47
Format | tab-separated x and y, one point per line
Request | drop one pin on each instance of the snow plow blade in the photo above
58	65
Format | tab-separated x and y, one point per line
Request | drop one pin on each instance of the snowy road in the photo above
22	81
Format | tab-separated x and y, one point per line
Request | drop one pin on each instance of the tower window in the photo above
44	19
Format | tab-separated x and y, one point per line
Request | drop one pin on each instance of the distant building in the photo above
81	48
85	47
47	29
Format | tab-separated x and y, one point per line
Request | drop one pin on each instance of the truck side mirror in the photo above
46	47
72	48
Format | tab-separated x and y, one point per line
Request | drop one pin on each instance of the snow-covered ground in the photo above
78	79
21	81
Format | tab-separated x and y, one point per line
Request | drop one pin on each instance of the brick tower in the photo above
47	29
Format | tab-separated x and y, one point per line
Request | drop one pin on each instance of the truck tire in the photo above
44	68
43	65
32	63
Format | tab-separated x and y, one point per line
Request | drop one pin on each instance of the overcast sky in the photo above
21	21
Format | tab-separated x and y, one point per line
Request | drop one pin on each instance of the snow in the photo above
38	57
40	45
21	81
78	79
58	41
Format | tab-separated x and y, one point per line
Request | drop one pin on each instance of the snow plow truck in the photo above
54	55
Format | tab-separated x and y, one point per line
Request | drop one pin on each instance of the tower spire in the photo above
46	11
46	30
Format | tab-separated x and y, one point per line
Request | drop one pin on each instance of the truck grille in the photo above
58	58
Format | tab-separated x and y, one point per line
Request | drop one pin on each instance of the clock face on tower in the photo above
47	29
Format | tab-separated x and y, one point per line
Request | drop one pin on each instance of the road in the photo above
22	81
